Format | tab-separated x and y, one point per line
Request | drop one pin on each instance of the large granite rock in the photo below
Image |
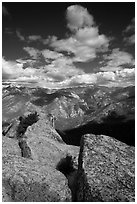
46	145
30	166
11	132
25	180
10	147
43	128
106	170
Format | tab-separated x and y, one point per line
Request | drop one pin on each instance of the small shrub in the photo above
25	122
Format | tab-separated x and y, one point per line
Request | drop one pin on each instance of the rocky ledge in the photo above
39	166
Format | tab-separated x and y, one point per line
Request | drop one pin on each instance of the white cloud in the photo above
117	59
129	33
85	40
30	38
23	61
30	78
84	78
123	77
9	69
120	78
34	38
33	52
126	72
49	40
84	44
78	17
62	67
59	67
13	70
130	27
61	73
20	36
48	54
130	40
87	35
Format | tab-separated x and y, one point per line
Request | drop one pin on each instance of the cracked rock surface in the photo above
106	170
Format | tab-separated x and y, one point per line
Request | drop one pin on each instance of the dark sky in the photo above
83	37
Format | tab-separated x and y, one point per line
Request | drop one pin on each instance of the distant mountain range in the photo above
94	109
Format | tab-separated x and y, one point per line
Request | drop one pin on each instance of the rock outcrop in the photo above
30	165
11	130
46	145
106	170
10	147
42	130
25	180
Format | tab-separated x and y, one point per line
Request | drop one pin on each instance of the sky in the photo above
57	44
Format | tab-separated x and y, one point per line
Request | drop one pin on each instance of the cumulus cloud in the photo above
48	54
83	44
129	33
49	40
117	59
58	64
5	11
130	40
30	38
33	52
34	38
62	73
130	27
8	69
51	75
55	64
59	68
20	36
63	68
94	78
122	78
78	17
13	70
85	41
